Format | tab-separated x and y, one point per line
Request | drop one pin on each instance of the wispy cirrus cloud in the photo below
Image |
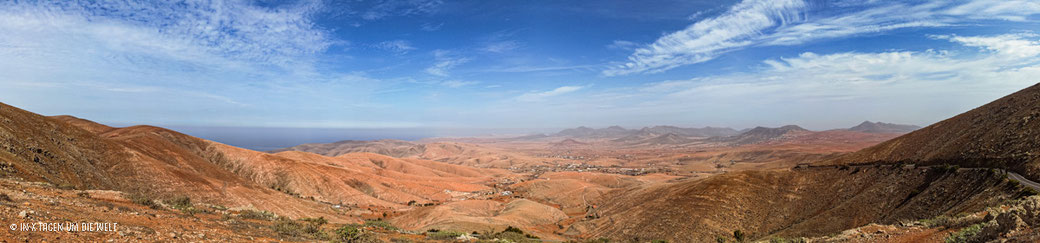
898	86
156	58
1014	45
622	45
430	27
396	46
386	8
457	83
444	61
791	22
229	33
540	95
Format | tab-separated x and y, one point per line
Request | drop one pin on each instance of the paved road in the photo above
1024	181
1011	175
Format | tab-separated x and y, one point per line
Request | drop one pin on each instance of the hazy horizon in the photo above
548	64
271	138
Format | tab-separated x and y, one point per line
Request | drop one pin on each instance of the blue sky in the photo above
515	65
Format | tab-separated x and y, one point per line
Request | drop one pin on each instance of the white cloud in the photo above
622	45
396	46
385	9
501	46
538	96
430	27
821	91
225	33
152	62
791	22
457	83
444	61
1016	45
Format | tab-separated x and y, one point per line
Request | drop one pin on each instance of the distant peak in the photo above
793	127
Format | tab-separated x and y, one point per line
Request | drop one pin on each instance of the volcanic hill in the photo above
763	134
852	192
881	127
1001	134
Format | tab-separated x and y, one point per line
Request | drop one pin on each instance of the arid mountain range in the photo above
972	172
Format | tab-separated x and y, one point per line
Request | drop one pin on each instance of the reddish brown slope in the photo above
140	159
1004	134
811	202
362	179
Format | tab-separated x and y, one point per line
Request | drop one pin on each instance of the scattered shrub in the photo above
180	202
353	233
142	199
965	234
1028	191
512	237
5	198
784	240
443	235
511	229
308	228
739	235
512	234
942	220
252	214
599	240
381	224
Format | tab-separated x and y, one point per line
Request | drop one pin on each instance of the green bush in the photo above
443	235
599	240
784	240
739	235
352	233
941	220
512	237
1029	191
965	234
513	234
511	229
252	214
381	224
348	233
308	227
181	202
142	199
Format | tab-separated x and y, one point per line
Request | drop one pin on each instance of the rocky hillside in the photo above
803	203
143	160
1002	134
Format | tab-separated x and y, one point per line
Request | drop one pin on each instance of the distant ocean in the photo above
265	138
